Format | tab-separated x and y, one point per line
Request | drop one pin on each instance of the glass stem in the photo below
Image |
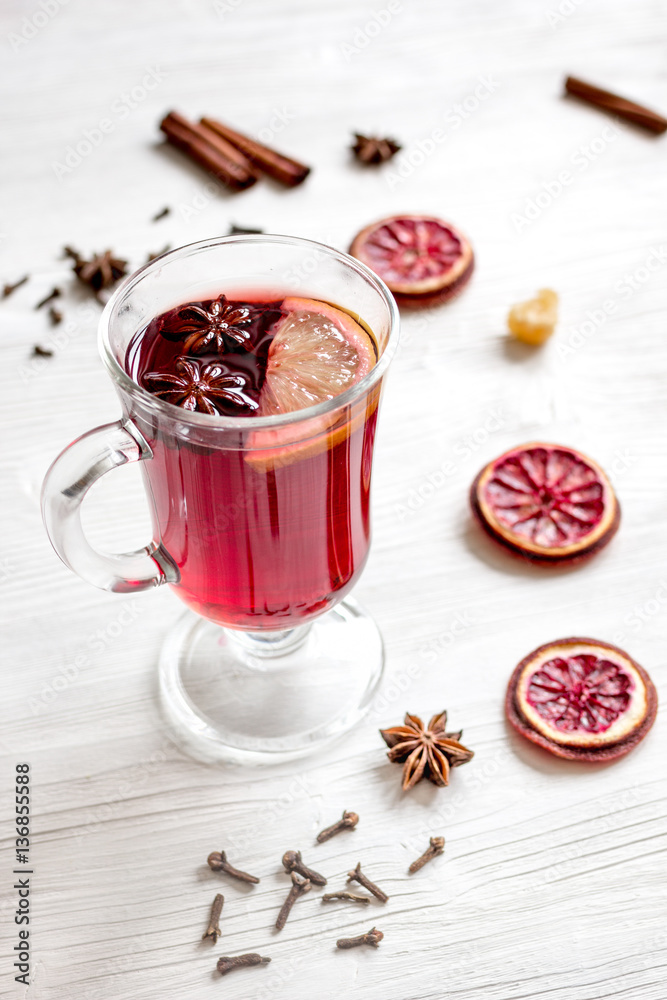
270	645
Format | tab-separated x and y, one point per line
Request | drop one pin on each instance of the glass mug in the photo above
261	525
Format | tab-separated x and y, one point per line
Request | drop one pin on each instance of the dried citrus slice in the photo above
546	502
317	352
422	259
582	699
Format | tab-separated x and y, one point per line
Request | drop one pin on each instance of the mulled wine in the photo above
272	529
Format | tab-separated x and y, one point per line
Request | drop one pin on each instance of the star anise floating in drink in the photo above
202	388
102	271
425	751
368	149
218	326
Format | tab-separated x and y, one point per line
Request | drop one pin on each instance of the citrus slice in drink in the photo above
582	699
545	502
422	259
317	352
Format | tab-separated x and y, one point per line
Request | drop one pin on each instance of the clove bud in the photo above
348	822
373	937
217	862
229	962
213	930
358	876
292	863
352	897
436	846
299	886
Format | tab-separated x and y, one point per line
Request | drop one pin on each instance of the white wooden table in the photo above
553	883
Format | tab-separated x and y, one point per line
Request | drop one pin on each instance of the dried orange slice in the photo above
582	699
546	502
422	259
317	352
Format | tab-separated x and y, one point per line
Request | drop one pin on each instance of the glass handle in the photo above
68	480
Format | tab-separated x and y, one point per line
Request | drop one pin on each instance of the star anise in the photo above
208	328
103	271
205	388
425	751
369	149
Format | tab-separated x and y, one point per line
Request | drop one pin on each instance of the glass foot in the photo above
272	696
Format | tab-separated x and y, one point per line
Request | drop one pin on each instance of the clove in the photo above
53	294
55	316
292	863
217	862
299	886
158	253
358	876
8	289
348	822
436	846
353	897
161	214
230	962
373	937
213	930
235	230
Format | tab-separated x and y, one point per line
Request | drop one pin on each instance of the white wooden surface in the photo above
553	881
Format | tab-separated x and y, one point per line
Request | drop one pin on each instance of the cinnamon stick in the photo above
282	168
209	151
625	109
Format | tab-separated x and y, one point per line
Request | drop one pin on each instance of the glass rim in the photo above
209	421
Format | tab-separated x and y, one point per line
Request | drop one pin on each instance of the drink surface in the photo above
270	528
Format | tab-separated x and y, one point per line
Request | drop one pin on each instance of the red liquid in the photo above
268	538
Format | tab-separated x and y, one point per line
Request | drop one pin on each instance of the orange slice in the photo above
546	502
582	699
317	353
422	259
